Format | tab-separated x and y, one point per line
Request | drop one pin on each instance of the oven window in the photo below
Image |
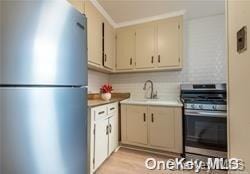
206	132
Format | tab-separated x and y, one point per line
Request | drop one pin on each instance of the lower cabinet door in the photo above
162	127
113	133
137	124
101	142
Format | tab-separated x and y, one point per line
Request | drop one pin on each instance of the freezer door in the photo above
43	130
42	43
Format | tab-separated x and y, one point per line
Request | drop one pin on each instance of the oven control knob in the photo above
192	106
214	107
200	106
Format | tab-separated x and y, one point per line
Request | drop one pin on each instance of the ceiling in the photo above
130	10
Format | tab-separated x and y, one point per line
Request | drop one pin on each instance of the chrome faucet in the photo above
152	95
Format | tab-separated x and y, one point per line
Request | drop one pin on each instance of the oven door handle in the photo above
205	114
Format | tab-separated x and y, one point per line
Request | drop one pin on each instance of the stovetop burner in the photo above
206	94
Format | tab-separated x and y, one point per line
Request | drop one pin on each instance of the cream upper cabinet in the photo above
169	40
125	46
161	127
136	124
158	46
78	4
94	20
109	45
145	46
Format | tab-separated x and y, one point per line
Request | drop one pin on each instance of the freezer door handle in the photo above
80	25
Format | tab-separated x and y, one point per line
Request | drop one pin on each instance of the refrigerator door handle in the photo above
80	25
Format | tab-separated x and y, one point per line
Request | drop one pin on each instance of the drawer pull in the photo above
100	113
111	109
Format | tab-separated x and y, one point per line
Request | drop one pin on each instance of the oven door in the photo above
206	132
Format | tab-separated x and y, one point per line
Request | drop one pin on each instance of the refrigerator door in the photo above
42	43
43	130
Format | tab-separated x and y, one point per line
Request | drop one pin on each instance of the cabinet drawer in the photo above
112	108
100	113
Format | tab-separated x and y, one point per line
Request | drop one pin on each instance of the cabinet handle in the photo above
102	112
152	117
107	130
159	58
152	59
111	109
144	117
110	128
105	57
130	61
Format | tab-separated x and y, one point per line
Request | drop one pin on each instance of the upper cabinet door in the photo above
145	46
125	46
169	42
109	45
78	4
94	19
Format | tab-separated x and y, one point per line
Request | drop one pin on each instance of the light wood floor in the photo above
126	161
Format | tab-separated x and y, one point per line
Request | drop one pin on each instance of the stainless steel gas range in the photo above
205	120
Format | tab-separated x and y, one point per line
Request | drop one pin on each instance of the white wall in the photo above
204	61
96	80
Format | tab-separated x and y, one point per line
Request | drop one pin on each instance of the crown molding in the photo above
103	12
150	19
137	21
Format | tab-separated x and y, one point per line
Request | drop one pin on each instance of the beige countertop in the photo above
154	102
95	99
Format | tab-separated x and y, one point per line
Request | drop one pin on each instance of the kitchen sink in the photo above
157	102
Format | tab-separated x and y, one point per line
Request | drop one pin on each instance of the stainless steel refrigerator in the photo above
43	88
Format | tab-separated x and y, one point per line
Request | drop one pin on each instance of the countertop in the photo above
154	102
95	99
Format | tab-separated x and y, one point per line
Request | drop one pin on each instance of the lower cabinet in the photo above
162	127
101	142
137	124
104	134
156	127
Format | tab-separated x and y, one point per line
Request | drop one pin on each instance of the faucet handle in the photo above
155	95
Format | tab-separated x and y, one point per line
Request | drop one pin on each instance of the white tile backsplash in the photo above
204	62
96	80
